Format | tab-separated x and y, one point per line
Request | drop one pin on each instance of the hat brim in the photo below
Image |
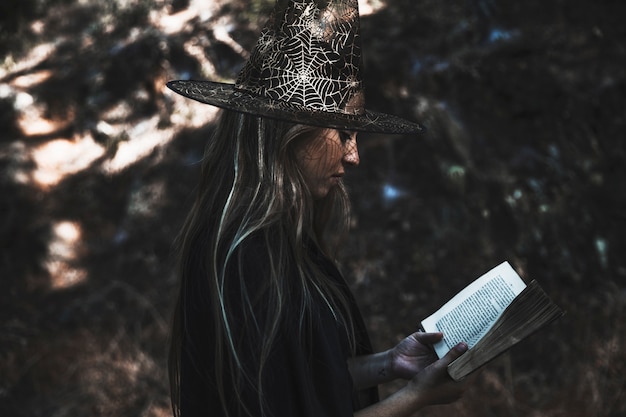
228	97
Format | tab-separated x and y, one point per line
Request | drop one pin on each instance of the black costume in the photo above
303	378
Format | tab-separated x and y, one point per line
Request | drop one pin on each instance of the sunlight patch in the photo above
173	23
62	255
36	55
32	79
59	158
30	121
367	7
145	137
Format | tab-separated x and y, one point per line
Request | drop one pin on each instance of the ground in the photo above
524	160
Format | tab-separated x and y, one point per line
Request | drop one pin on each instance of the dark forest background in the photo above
524	160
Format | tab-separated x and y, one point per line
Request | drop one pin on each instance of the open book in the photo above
492	314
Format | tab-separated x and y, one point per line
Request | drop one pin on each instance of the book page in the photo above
528	312
472	312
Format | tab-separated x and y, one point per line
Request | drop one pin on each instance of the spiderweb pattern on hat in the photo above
328	78
305	68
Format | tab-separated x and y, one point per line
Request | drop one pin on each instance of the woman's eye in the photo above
344	136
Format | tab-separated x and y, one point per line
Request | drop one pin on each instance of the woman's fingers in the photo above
454	353
428	338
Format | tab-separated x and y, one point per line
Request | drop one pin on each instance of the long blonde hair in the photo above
250	186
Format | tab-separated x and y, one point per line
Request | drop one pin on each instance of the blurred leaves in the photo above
524	160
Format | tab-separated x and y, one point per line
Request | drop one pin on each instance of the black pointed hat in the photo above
305	68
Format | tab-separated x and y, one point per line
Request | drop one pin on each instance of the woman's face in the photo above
324	158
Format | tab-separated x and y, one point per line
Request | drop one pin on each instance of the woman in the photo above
265	324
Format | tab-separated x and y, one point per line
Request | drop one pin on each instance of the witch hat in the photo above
305	68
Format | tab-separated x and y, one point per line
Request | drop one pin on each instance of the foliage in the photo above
524	160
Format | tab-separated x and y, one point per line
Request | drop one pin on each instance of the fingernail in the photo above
461	347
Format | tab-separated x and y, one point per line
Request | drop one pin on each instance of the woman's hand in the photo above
433	385
409	357
413	354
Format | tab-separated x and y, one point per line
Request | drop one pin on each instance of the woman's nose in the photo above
351	153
